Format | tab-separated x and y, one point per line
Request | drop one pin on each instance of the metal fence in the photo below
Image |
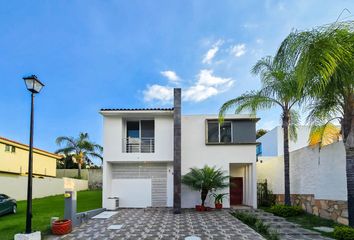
139	145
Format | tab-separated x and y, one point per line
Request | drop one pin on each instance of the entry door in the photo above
236	190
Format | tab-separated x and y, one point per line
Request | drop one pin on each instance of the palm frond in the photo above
249	101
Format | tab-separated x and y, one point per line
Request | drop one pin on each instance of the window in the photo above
9	148
219	133
140	135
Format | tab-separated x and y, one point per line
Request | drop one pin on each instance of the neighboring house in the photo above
139	156
272	141
317	175
14	159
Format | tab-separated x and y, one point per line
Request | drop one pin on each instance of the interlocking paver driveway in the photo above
163	224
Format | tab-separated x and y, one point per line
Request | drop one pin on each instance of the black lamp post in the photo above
34	86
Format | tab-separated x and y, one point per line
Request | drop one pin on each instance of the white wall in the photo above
272	142
15	186
113	133
311	172
132	193
195	153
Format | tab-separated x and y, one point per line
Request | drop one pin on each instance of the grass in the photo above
43	209
310	221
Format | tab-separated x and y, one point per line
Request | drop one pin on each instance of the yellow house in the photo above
14	159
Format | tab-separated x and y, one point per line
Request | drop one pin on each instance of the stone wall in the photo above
335	210
94	176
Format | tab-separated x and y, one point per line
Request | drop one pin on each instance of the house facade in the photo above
14	159
139	155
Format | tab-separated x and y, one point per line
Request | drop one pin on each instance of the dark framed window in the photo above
219	133
7	148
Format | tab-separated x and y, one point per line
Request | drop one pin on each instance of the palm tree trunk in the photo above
204	194
79	170
349	151
287	200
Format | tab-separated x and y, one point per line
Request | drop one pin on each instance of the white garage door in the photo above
155	172
132	193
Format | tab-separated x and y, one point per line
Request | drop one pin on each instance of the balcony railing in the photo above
138	145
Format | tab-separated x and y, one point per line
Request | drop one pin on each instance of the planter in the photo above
218	205
200	208
61	227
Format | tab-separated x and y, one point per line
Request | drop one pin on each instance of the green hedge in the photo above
343	233
286	211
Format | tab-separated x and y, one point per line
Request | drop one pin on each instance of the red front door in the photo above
236	190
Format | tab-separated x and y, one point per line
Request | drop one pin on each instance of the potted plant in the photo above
205	180
61	227
218	197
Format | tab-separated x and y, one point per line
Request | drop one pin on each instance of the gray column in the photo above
177	151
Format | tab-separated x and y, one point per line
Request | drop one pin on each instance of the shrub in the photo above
265	197
249	219
286	211
257	224
343	233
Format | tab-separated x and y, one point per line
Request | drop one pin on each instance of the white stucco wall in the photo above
114	132
195	153
311	172
15	186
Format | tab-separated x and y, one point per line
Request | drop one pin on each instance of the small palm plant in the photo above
205	179
218	199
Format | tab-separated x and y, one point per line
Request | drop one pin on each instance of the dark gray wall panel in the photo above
244	131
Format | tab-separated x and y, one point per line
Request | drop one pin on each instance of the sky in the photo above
110	54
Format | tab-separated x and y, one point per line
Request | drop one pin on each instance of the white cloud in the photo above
238	50
208	57
259	41
171	76
207	85
163	94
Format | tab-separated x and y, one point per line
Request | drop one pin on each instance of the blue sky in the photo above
102	54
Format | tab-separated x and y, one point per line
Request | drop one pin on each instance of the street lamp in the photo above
34	86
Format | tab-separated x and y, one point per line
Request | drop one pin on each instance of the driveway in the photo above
163	224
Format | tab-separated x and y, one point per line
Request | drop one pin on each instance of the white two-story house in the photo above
140	153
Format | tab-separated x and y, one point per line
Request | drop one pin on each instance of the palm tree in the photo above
325	65
81	149
204	180
279	88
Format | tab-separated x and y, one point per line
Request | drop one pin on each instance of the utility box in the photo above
113	203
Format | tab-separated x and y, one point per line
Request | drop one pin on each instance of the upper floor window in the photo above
9	148
219	133
140	136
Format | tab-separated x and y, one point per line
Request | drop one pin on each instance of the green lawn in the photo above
43	210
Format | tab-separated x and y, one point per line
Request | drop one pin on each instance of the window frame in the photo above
219	130
7	148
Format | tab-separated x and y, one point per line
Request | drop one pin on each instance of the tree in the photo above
325	65
204	180
279	88
80	149
261	132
